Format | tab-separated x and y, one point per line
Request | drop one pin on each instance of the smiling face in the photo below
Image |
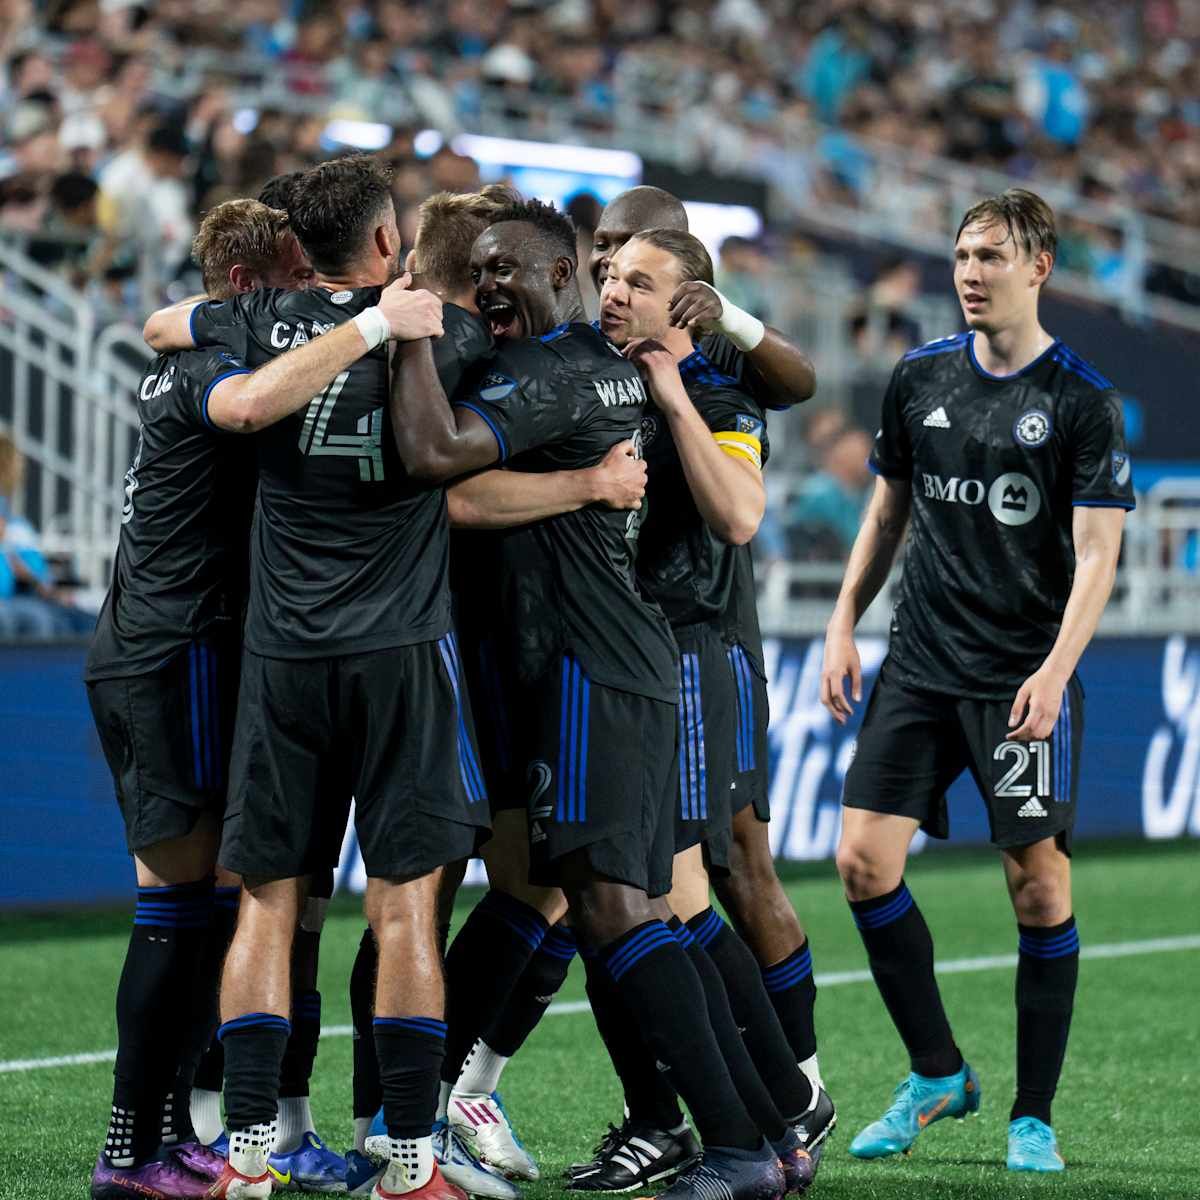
629	213
517	278
633	301
996	280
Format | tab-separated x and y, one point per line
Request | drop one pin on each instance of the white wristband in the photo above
373	326
743	329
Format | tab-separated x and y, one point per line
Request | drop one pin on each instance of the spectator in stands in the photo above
742	274
824	516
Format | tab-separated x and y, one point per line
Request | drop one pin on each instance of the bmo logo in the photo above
1013	498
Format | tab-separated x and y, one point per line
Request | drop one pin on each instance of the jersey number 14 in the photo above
366	445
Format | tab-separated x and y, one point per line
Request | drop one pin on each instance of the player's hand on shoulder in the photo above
695	306
410	315
841	659
1036	707
657	365
620	477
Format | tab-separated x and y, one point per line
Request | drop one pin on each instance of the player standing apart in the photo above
1007	451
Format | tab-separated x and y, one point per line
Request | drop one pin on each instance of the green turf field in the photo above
1126	1113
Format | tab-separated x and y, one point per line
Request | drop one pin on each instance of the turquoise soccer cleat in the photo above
917	1102
1032	1146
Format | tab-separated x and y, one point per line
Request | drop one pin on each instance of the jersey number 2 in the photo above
1007	785
366	445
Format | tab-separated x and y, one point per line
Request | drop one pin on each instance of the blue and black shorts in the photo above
750	781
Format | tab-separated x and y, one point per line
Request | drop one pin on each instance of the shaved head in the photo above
631	212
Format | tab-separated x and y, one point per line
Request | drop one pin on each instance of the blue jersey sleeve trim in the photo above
876	469
1127	505
192	321
208	392
501	444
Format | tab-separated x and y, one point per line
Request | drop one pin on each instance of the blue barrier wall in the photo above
62	840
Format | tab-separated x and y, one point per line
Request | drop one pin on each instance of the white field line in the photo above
953	966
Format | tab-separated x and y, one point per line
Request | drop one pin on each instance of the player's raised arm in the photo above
501	499
170	329
727	488
866	572
787	373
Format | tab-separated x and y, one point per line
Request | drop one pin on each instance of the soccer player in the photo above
705	442
1006	452
777	375
494	950
162	681
597	659
350	686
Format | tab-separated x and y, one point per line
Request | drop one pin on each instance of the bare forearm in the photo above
786	370
502	499
867	569
169	329
725	493
1092	586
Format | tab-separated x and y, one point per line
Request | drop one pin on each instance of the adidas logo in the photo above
1031	808
937	419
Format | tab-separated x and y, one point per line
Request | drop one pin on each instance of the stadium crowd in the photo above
120	118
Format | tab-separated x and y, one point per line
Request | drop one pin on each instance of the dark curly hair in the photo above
553	226
335	206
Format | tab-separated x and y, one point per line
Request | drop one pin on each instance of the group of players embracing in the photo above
483	570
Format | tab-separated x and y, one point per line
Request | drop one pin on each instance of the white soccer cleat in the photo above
481	1119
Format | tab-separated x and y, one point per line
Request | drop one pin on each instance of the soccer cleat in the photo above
150	1181
481	1119
727	1174
816	1125
1032	1146
233	1185
388	1185
311	1167
918	1101
462	1168
796	1163
633	1156
196	1157
220	1144
361	1173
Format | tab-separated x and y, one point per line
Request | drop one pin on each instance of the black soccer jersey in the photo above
731	361
181	562
350	554
681	562
560	402
996	466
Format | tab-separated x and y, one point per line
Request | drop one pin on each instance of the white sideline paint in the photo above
953	966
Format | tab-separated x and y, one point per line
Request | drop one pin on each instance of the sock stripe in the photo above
650	937
1059	947
684	936
559	944
227	897
429	1025
893	910
256	1020
183	906
525	921
791	971
708	928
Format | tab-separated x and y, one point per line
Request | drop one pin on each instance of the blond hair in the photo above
238	233
448	224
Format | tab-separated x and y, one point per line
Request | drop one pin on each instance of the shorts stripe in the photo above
1066	747
701	761
745	702
206	714
571	803
468	768
197	759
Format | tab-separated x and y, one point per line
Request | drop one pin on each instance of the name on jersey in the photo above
615	392
1013	498
288	337
156	385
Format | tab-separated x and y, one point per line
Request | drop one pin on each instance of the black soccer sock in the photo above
1047	971
296	1069
731	1038
649	1097
793	994
762	1033
254	1045
659	984
170	926
537	987
484	962
900	951
410	1051
368	1093
210	1071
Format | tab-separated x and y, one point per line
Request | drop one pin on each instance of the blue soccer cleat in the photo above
220	1144
726	1174
361	1173
1032	1146
917	1102
311	1167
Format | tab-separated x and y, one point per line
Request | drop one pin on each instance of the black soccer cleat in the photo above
727	1174
814	1126
634	1156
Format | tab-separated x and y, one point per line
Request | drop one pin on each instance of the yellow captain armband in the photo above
740	445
